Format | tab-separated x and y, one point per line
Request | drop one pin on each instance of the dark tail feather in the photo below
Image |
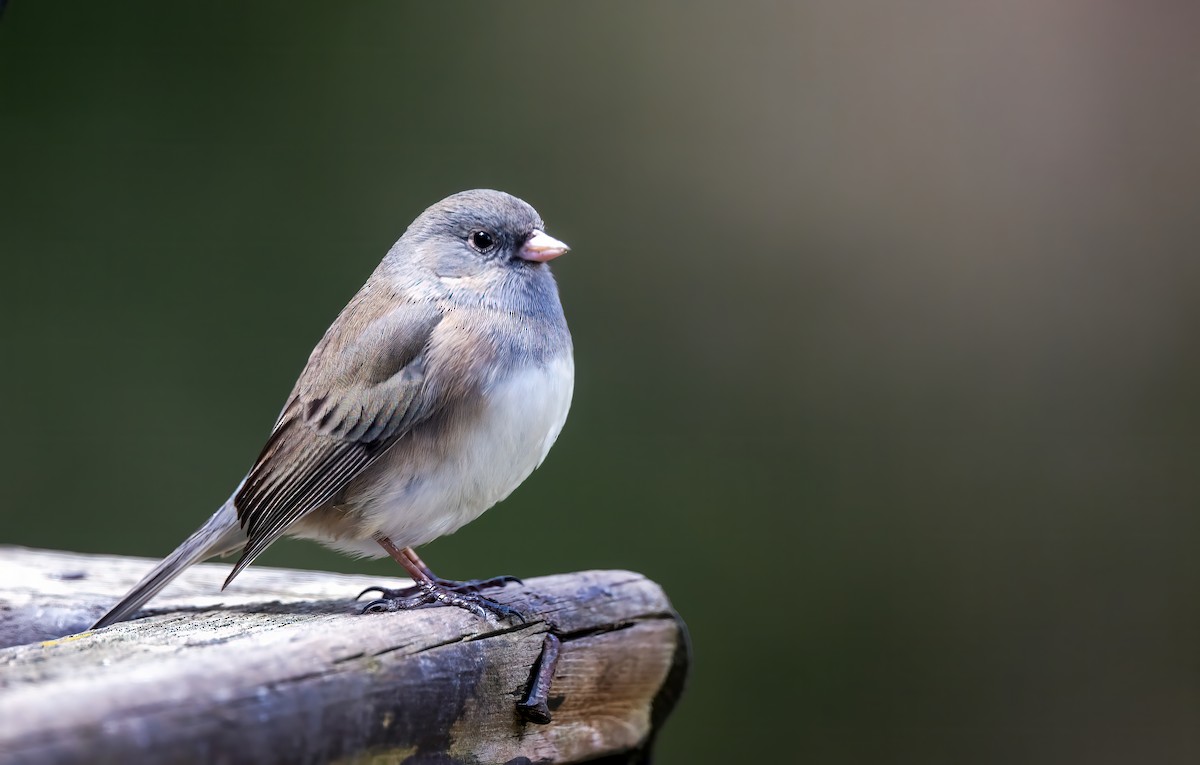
219	534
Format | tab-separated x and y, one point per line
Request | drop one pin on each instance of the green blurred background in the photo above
886	321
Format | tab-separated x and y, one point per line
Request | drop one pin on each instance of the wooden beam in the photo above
281	668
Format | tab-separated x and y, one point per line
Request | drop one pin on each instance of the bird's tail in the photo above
220	534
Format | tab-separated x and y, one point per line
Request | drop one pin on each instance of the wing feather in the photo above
363	388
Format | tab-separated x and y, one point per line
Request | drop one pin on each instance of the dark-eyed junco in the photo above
436	392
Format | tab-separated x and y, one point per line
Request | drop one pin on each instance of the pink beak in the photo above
542	247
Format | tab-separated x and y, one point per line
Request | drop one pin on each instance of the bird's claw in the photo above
497	609
378	607
477	585
383	591
472	586
431	593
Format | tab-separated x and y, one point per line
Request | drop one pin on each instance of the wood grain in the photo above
281	668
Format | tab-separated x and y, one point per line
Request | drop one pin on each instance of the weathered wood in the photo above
281	668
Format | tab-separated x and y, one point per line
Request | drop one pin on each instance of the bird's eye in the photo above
482	240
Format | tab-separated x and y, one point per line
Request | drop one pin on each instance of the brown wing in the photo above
363	388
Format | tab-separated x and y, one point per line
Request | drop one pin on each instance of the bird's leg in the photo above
475	585
429	590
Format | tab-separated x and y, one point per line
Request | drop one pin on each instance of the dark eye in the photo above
482	240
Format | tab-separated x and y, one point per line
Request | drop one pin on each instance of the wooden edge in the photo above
282	668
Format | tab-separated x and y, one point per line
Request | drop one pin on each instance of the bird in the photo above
437	390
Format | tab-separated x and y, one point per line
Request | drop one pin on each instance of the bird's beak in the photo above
542	247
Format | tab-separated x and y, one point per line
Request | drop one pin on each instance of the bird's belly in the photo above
435	480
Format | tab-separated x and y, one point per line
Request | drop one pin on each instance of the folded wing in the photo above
363	388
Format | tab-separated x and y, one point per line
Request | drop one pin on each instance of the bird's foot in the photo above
472	586
435	593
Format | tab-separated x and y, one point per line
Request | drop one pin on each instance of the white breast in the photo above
427	486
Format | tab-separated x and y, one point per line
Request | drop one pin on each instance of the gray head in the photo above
478	234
